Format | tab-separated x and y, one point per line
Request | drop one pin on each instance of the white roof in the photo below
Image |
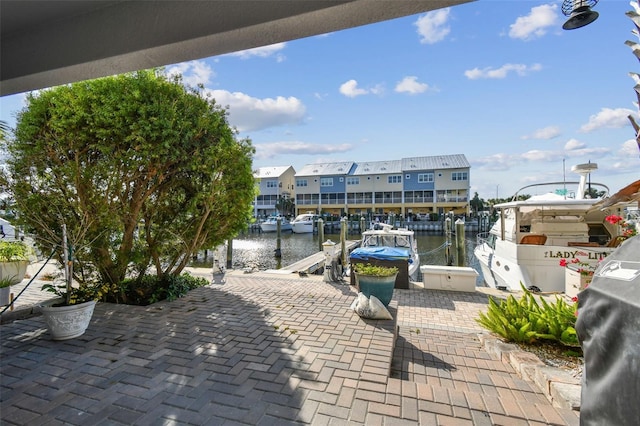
436	162
325	169
270	172
378	167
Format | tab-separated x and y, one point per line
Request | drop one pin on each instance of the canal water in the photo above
256	251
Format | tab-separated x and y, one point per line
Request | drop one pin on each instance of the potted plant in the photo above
376	280
69	315
14	258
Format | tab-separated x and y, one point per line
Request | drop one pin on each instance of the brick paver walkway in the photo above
267	350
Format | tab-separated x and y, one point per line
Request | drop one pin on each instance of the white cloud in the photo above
350	89
545	133
502	72
573	144
589	152
193	73
538	155
411	85
433	27
250	114
535	24
262	52
630	148
378	89
607	117
274	149
504	162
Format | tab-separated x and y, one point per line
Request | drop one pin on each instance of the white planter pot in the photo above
14	270
67	322
575	282
5	296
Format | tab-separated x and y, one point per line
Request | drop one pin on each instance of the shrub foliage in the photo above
527	321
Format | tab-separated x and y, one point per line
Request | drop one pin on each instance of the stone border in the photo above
560	387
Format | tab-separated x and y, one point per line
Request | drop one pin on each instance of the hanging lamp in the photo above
579	13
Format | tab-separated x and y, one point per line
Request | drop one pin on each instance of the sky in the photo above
499	81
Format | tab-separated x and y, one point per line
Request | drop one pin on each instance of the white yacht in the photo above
304	223
531	236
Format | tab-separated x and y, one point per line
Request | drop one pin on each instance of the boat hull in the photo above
272	227
302	227
509	266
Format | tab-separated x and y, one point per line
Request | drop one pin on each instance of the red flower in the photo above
574	299
575	260
563	262
613	219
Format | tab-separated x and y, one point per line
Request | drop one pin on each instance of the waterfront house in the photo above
274	183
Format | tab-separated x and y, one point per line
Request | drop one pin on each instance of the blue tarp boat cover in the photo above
381	253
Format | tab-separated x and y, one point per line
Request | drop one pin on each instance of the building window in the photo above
301	182
326	181
272	184
459	176
353	181
407	177
425	177
394	179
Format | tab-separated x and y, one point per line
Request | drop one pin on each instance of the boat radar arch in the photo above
583	170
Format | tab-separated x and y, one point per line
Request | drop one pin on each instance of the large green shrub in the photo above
142	171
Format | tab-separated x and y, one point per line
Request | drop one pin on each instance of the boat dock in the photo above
315	262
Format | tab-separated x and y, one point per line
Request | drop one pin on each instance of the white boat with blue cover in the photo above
401	240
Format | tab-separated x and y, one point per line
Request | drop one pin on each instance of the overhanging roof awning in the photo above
48	43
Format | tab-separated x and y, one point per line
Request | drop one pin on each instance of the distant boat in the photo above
271	224
303	223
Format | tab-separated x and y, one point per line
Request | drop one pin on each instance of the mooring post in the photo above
320	225
447	249
278	250
363	222
460	243
343	240
230	253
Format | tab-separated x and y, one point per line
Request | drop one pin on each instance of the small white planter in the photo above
15	270
575	282
5	296
67	322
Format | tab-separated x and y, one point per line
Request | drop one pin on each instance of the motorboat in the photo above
532	236
304	223
271	224
383	235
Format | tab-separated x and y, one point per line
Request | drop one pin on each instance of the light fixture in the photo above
579	13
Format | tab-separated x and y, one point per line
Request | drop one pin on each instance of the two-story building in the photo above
274	183
409	186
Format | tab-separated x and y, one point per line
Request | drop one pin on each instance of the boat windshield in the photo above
386	241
